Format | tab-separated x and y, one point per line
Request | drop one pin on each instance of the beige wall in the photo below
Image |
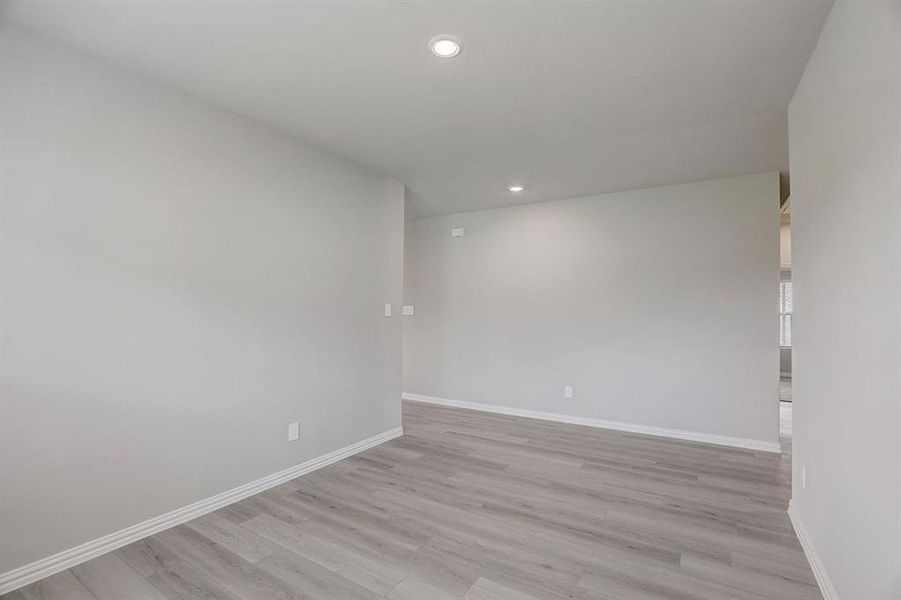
785	243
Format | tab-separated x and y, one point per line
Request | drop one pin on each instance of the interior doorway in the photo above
786	304
786	307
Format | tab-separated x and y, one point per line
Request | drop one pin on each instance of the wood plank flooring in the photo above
483	507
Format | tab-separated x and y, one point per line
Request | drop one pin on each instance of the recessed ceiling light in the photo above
445	46
516	187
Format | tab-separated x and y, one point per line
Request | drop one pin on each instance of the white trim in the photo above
816	565
679	434
45	567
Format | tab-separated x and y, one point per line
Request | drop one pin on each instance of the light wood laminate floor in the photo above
483	507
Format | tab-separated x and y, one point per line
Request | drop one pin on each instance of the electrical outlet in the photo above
293	431
409	311
568	391
804	477
458	232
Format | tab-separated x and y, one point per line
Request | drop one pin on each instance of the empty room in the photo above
450	299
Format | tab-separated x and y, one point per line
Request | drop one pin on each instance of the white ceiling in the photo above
570	98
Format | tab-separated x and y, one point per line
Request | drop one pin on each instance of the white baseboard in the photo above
816	565
45	567
692	436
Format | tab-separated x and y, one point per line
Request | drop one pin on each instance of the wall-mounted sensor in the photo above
457	232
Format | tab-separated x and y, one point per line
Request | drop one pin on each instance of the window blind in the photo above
785	314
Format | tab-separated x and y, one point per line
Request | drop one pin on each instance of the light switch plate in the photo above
409	311
387	309
293	431
568	391
458	232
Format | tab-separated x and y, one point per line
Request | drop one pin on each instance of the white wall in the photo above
178	284
658	306
845	136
